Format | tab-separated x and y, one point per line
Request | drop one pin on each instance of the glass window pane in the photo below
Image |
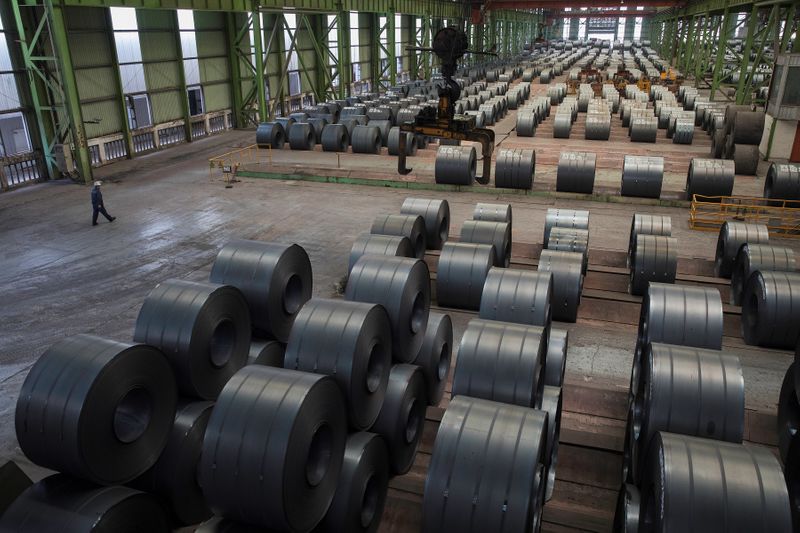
188	44
185	19
791	92
294	83
132	78
5	58
124	18
128	48
191	68
9	97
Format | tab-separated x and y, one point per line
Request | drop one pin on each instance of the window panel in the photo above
9	97
123	18
132	78
128	48
191	69
185	19
5	57
188	44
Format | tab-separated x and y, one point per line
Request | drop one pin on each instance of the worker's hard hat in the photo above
98	183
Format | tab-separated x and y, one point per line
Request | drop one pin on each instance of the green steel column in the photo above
767	37
391	54
722	43
345	59
239	115
701	61
259	78
741	97
687	46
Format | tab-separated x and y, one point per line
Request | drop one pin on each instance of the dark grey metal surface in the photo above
684	131
526	123
383	126
275	279
410	226
496	234
287	123
562	125
455	165
270	134
710	177
302	136
746	158
335	138
551	404
655	259
732	235
783	181
519	296
461	274
642	176
567	271
403	287
351	342
789	436
435	355
576	172
402	416
273	448
748	127
435	214
393	143
502	362
96	409
771	309
461	493
598	126
644	129
556	362
492	212
626	517
514	169
648	225
366	140
752	257
564	218
319	125
373	244
570	240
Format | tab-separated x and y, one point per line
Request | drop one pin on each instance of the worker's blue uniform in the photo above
98	207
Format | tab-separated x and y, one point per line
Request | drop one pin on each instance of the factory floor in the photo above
61	276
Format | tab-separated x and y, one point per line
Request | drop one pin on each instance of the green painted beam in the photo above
242	6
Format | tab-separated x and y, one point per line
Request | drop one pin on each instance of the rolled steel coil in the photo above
461	274
571	240
300	116
754	257
287	123
544	76
598	126
319	125
383	126
461	494
567	270
564	218
497	234
393	143
363	484
366	140
274	278
435	214
576	172
489	113
551	404
642	176
556	363
402	286
514	169
351	342
174	476
402	416
96	409
526	124
732	235
381	112
435	355
562	125
501	362
718	143
455	165
684	131
689	391
654	259
746	158
480	117
783	181
266	352
354	109
748	127
626	516
644	129
644	224
369	244
335	138
270	135
771	309
710	177
789	422
410	226
736	486
518	296
492	212
61	504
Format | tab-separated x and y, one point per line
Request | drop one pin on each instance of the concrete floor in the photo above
60	276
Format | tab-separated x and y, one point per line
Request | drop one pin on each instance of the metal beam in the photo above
601	14
576	4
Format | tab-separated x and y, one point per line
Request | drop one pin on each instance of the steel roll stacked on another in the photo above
571	240
61	504
567	271
410	226
564	218
366	140
645	224
710	177
363	484
551	404
435	214
771	309
270	135
748	127
173	479
576	172
402	416
335	138
502	362
403	287
96	409
736	487
351	342
654	259
372	244
461	274
461	493
455	165
302	136
626	515
492	212
783	181
266	352
732	235
753	257
514	169
556	361
435	355
496	234
518	296
274	447
642	176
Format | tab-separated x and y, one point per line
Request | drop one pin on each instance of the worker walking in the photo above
97	204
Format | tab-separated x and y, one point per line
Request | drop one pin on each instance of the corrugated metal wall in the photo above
212	51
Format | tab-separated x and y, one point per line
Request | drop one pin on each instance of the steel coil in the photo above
562	125
60	504
754	257
335	138
411	227
626	517
576	172
598	126
273	448
737	487
351	342
564	218
489	113
455	165
771	309
275	279
644	129
266	352
526	124
462	273
501	362
350	124
393	143
402	416
748	127
461	494
497	234
684	131
746	158
301	136
642	176
383	127
789	423
551	404
644	224
300	116
710	177
518	296
567	271
174	476
435	214
783	181
492	212
435	355
366	140
370	244
270	135
14	482
319	125
287	123
570	240
718	143
514	169
654	259
382	112
556	363
96	409
732	235
363	484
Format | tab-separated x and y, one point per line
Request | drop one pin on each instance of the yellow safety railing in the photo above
229	162
707	213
